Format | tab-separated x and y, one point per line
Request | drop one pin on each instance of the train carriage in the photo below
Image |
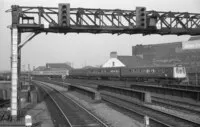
157	73
104	73
78	73
150	72
173	73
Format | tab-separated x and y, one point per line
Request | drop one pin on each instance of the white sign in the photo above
146	120
28	120
191	45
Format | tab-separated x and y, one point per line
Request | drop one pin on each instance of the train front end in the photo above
179	72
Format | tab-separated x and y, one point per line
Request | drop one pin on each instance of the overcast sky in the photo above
84	49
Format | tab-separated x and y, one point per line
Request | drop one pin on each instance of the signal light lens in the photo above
64	23
142	9
142	14
64	17
64	12
64	7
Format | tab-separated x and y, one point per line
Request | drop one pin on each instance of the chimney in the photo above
113	54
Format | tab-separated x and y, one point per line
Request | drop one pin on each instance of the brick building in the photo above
186	53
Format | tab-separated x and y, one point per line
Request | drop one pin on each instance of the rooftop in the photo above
133	61
194	38
58	65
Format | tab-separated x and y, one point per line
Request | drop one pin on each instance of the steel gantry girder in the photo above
87	20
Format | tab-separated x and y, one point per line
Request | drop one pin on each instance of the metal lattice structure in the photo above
85	20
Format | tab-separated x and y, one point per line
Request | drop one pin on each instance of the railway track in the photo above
4	103
174	105
128	83
75	114
4	115
157	117
171	104
177	105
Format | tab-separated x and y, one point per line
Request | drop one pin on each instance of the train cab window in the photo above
152	70
177	70
184	70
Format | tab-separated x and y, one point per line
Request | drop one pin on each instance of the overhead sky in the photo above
84	49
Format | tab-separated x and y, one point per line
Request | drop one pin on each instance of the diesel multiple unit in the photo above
159	73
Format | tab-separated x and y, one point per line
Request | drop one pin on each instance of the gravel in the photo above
112	117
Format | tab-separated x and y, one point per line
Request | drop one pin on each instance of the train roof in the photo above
152	66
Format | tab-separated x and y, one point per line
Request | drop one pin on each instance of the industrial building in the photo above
186	53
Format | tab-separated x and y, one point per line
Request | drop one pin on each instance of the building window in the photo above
113	64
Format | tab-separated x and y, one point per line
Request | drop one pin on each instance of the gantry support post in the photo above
19	68
14	70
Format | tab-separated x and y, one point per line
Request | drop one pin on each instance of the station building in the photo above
124	61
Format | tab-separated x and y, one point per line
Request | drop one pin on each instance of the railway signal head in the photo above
64	15
141	18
